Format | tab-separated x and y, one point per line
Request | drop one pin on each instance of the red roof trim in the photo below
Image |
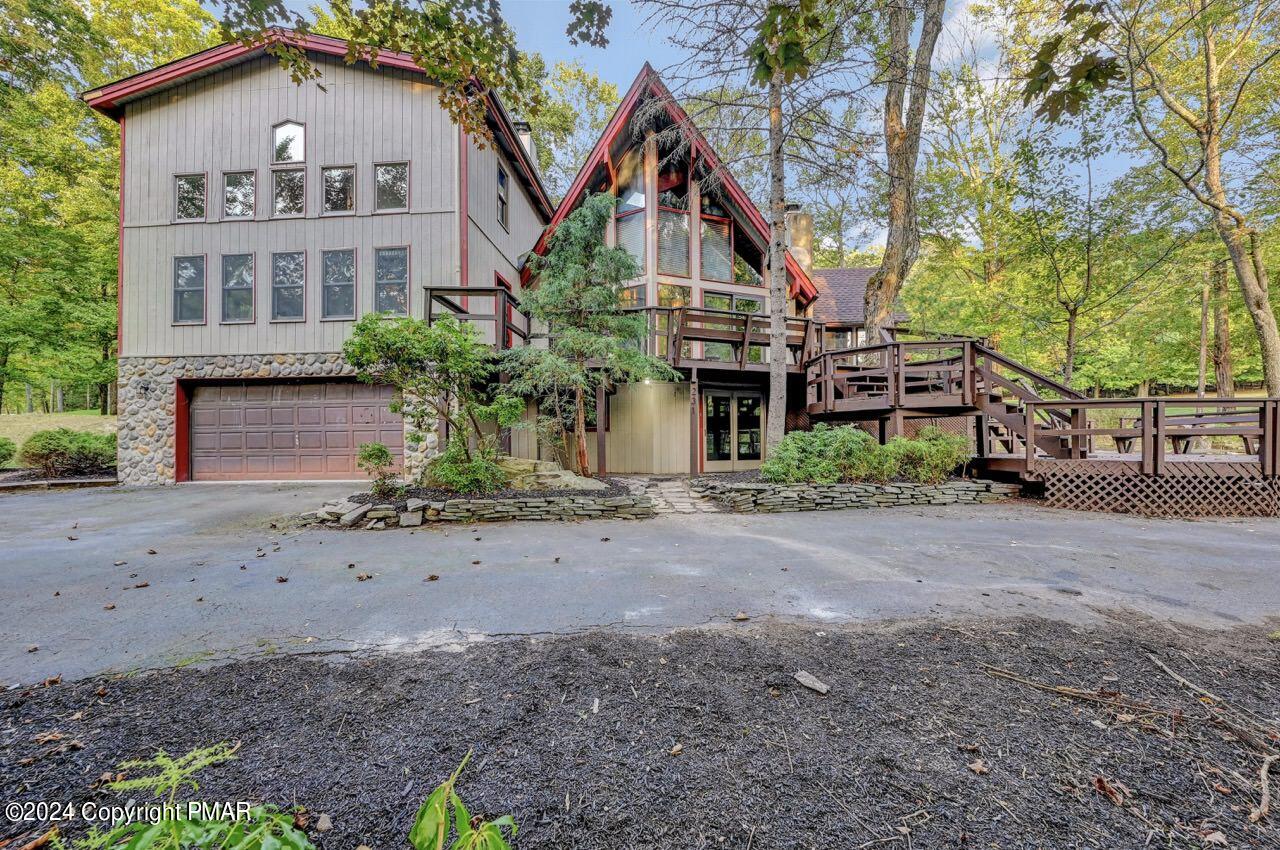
649	81
108	99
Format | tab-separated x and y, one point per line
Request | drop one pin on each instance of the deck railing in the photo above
494	310
892	374
1230	429
705	336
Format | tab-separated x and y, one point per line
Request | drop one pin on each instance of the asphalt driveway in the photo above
133	579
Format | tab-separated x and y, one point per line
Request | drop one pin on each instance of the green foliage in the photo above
439	371
591	340
466	472
928	459
376	461
577	105
832	455
7	451
61	451
783	41
443	814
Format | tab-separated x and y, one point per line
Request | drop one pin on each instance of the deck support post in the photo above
602	422
694	419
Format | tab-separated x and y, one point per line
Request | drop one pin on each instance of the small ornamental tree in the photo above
591	339
440	371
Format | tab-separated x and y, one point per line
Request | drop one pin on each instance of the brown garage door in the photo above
262	431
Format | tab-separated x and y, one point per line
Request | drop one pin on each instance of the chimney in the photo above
800	236
525	133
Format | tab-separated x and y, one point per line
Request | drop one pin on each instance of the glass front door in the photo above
733	430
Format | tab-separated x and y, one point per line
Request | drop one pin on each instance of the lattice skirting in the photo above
1185	496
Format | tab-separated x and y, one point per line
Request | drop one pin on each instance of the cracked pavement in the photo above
212	590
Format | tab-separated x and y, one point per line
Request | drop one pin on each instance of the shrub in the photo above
473	473
62	451
7	450
828	455
376	461
930	458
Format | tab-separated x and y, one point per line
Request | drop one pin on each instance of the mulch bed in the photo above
436	494
918	744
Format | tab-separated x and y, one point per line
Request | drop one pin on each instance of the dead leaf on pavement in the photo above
280	579
363	577
741	617
119	563
151	551
109	607
433	577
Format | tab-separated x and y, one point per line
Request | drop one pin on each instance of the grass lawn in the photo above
18	427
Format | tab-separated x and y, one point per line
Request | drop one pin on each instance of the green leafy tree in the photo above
576	106
440	372
591	340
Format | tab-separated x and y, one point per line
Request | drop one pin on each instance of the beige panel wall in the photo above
492	247
223	122
649	429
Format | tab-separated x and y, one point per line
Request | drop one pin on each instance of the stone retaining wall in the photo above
762	497
532	508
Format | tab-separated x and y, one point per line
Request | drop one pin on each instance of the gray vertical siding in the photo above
491	247
223	122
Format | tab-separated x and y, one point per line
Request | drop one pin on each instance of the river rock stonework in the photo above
762	497
146	453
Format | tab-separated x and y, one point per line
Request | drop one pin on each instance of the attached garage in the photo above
257	431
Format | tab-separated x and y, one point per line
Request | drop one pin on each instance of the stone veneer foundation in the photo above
148	405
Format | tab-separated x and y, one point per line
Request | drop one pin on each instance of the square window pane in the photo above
237	195
288	143
339	189
188	305
391	186
237	271
391	264
286	302
190	188
287	268
188	273
289	192
339	301
391	298
338	267
237	305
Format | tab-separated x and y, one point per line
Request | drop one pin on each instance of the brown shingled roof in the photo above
842	295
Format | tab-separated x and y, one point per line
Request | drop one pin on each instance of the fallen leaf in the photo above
141	585
48	737
151	551
323	823
52	680
110	606
300	819
119	563
473	563
968	748
1215	838
1222	789
432	577
32	648
677	749
741	617
604	539
281	579
979	767
1113	792
363	577
72	537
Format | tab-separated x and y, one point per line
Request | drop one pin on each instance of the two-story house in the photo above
259	219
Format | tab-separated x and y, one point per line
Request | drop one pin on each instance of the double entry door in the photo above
733	423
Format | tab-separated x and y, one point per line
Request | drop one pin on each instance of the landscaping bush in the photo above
61	451
930	458
830	455
376	460
7	450
473	473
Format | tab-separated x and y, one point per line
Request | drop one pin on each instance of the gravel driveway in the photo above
79	580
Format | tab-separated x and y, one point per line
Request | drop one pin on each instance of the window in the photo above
673	242
288	285
289	192
188	290
289	142
391	281
632	296
391	186
237	287
629	227
338	284
190	197
338	185
237	194
503	201
670	295
717	249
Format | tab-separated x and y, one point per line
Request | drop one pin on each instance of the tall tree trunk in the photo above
902	146
1224	381
1069	361
776	424
580	431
